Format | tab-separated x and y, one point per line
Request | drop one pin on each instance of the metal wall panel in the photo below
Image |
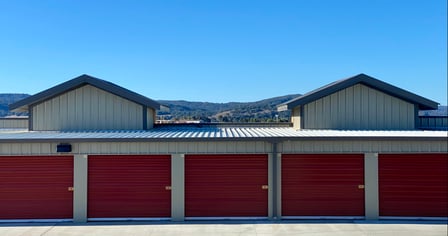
8	123
151	118
433	122
377	146
87	108
413	185
357	108
296	117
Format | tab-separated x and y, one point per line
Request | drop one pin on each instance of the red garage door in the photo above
226	185
323	185
36	187
413	185
129	186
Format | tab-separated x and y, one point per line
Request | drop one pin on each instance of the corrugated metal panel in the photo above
36	187
129	186
87	108
385	146
296	117
322	185
226	185
13	123
150	114
212	133
413	185
433	122
222	147
358	107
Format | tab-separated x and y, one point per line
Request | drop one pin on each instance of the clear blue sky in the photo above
224	50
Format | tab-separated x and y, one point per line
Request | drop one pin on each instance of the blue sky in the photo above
221	51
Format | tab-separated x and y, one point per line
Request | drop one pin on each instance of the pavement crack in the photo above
48	230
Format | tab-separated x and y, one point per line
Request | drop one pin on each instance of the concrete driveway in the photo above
225	229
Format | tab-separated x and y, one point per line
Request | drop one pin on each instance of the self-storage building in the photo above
92	151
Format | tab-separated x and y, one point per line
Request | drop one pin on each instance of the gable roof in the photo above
23	105
423	103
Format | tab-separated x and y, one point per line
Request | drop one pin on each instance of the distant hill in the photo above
183	111
260	111
441	111
8	98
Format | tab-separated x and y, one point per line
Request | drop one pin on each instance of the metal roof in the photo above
80	81
331	88
164	134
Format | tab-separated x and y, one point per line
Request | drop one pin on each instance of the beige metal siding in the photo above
139	148
385	146
13	123
87	108
433	122
358	107
229	147
151	118
296	117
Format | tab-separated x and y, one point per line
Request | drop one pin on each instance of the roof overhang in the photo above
24	104
423	103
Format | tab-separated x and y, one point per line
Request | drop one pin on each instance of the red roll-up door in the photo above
226	185
129	186
323	185
413	185
36	187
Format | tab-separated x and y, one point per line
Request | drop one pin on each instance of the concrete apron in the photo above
204	228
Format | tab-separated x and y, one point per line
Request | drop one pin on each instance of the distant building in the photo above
92	150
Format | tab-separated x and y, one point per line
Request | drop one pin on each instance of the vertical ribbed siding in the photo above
226	185
358	107
413	185
433	122
9	123
385	146
36	187
87	108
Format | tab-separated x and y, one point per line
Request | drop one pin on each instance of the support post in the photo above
273	179
271	186
80	188
371	186
278	185
177	187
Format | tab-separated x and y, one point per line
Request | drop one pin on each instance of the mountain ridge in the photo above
183	111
